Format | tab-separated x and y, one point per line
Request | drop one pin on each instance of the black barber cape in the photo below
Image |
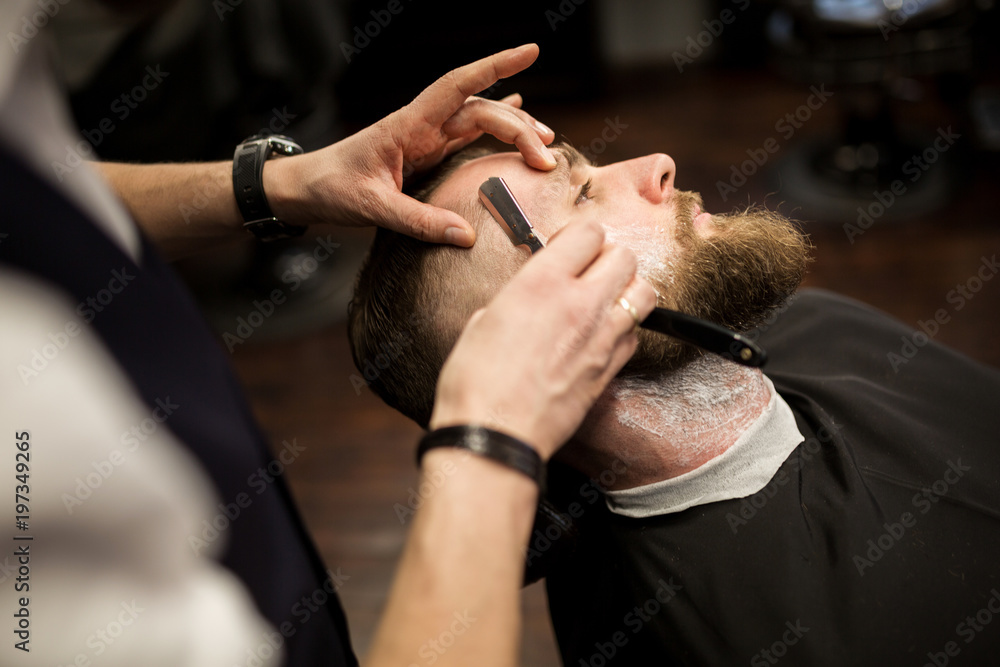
164	347
877	542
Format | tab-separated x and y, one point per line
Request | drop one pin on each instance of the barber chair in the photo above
877	56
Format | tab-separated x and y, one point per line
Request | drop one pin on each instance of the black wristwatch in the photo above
248	185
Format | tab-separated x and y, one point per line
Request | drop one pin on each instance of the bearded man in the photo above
841	509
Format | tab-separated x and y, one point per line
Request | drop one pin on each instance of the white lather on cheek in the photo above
654	251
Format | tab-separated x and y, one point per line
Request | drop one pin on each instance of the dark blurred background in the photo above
875	124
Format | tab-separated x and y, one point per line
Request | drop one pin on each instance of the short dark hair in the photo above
399	328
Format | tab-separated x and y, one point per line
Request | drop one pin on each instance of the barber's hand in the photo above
533	362
358	180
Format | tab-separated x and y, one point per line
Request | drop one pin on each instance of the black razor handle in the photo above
707	335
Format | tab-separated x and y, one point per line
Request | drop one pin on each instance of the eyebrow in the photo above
557	181
573	156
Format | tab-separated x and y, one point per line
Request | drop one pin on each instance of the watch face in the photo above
284	146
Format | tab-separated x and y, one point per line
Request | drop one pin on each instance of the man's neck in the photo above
664	427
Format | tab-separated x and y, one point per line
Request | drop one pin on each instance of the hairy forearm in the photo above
456	594
183	208
188	207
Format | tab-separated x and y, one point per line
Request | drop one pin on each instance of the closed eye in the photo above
584	192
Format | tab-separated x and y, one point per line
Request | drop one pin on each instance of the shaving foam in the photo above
697	410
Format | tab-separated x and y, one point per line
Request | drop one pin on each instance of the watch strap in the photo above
248	185
488	443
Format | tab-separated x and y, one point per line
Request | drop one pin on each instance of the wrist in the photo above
284	190
462	477
310	188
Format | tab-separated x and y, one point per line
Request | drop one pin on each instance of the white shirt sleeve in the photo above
110	577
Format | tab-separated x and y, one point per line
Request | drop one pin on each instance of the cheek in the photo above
546	224
651	240
493	259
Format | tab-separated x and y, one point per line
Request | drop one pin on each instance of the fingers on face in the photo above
571	249
629	298
624	315
641	295
611	272
427	222
508	124
443	97
619	299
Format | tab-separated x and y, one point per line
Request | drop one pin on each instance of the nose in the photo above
655	177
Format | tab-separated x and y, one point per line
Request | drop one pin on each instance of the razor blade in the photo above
500	202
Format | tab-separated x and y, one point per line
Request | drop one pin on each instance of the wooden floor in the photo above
358	462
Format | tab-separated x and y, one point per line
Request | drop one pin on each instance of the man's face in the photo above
635	201
730	269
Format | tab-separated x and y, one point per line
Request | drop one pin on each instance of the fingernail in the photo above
544	129
458	236
550	159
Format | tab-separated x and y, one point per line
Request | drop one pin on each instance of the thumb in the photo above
428	223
